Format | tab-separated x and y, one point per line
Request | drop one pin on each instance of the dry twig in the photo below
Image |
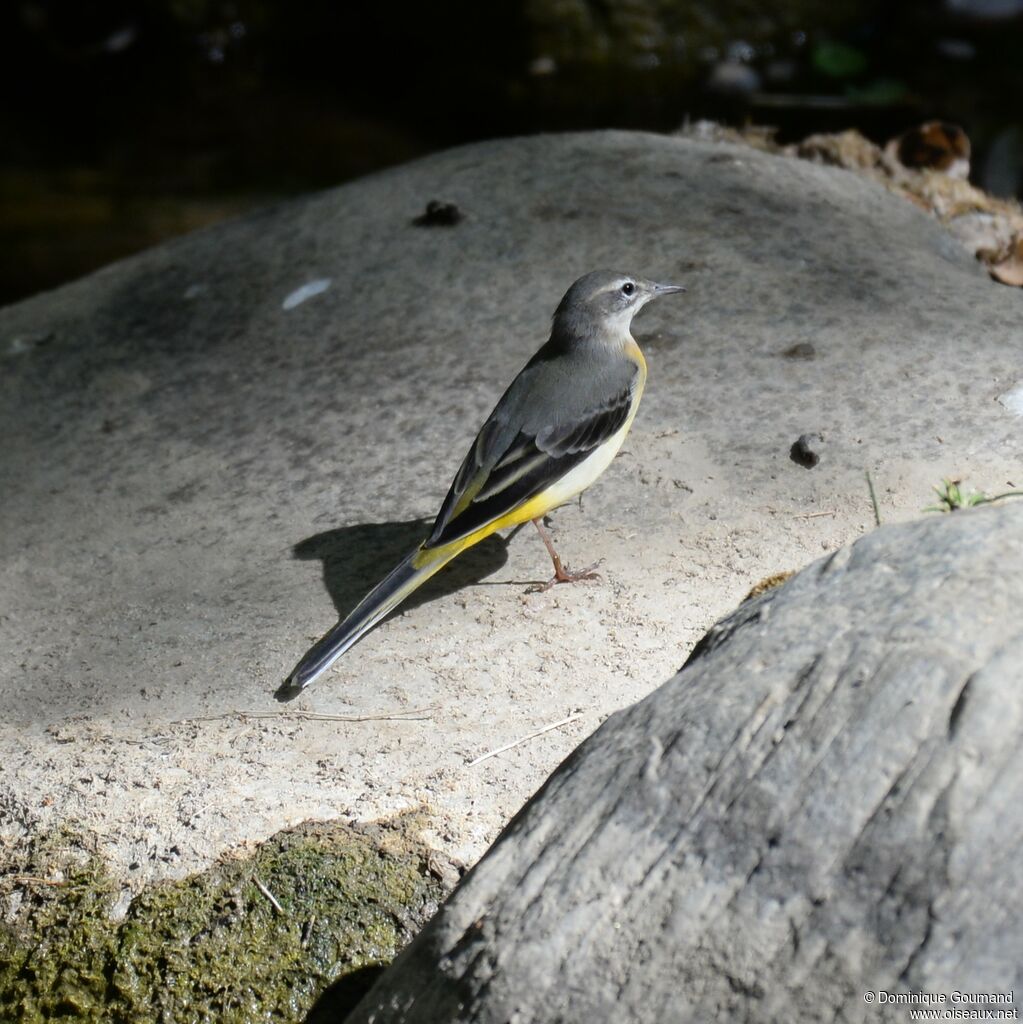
35	880
412	715
524	739
268	894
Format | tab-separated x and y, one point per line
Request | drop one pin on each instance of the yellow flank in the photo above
635	353
532	509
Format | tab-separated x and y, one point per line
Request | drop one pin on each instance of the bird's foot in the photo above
563	575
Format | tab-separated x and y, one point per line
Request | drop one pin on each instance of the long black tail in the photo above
410	573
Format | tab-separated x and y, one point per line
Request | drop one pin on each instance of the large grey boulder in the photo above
822	809
207	456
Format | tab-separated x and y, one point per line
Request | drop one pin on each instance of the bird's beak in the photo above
667	289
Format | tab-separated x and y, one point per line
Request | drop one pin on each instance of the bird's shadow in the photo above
356	558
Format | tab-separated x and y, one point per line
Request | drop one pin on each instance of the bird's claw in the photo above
564	575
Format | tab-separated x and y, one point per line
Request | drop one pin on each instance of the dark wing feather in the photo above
524	467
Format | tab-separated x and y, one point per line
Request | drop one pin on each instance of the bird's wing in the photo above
509	463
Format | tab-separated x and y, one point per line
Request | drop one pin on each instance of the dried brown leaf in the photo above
1010	270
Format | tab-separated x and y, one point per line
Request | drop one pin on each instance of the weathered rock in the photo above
826	801
306	381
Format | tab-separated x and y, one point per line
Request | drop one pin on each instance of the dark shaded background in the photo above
124	123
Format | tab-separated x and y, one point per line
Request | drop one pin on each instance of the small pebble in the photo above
801	350
805	451
439	214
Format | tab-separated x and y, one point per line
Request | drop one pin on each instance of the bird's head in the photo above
603	303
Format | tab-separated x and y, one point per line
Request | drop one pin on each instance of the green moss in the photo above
213	947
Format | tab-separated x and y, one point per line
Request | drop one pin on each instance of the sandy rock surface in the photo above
213	448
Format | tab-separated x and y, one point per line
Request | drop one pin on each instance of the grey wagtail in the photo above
554	431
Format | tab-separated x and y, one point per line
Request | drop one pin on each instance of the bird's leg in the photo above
561	574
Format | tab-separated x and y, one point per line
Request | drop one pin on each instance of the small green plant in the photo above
952	497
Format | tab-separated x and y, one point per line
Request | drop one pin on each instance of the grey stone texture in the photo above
823	808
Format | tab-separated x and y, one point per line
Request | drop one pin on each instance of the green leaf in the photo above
839	60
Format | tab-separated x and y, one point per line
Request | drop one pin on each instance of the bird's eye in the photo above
628	288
